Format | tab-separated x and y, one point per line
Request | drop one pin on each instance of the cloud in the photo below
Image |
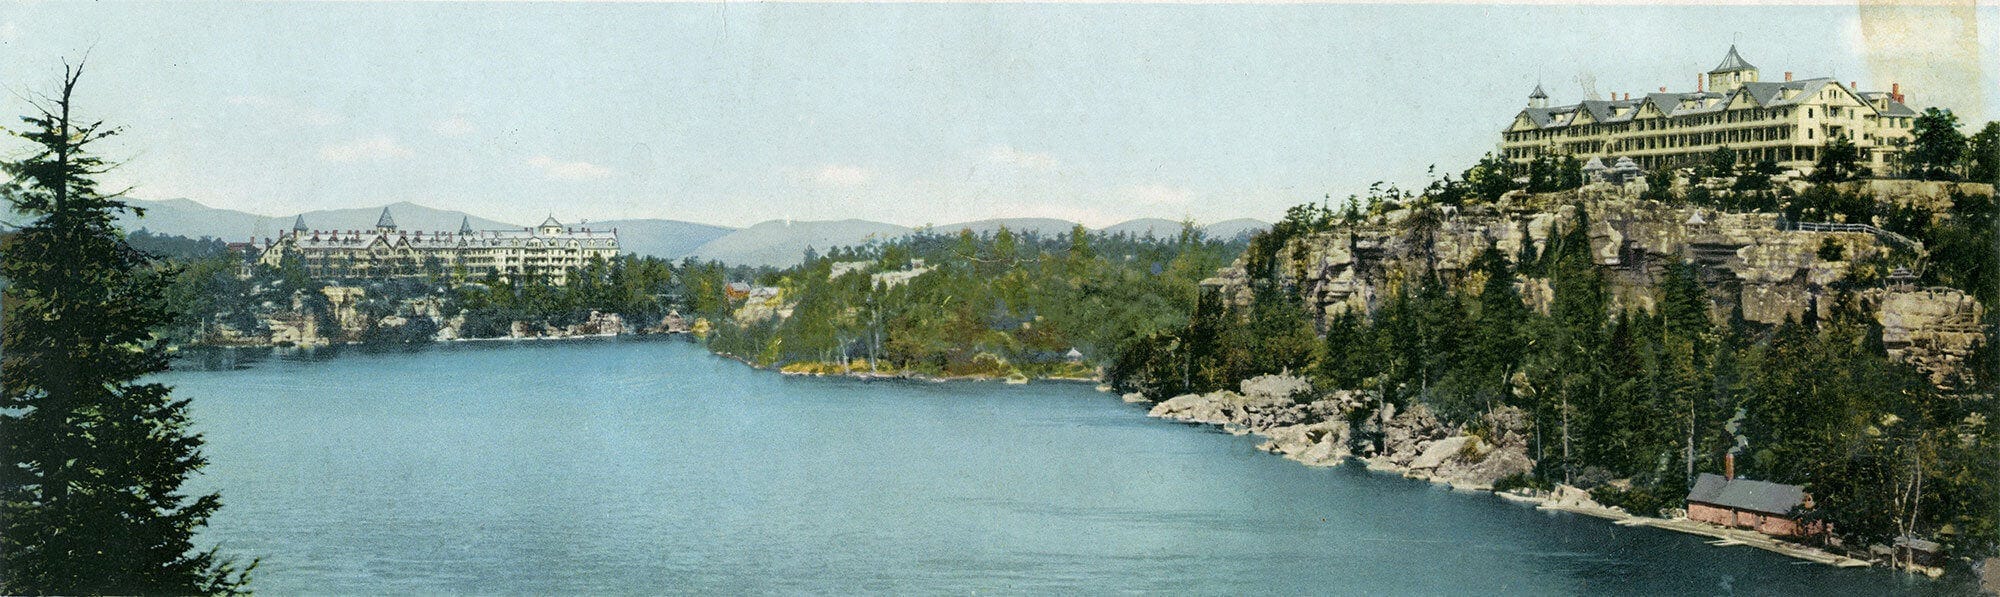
842	176
456	126
561	170
379	147
1028	160
9	31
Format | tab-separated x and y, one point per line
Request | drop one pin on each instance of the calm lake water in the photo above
648	466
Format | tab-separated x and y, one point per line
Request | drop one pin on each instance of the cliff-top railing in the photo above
1787	225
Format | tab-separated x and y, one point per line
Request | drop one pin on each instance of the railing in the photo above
1788	225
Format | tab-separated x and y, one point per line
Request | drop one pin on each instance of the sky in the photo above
912	114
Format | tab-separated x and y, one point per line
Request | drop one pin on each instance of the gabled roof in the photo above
1894	108
1745	494
1610	110
551	223
1732	62
385	221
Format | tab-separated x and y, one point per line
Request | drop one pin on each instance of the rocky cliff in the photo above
1770	269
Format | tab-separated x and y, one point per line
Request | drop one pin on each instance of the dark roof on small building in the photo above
299	225
1745	494
1538	93
385	221
465	225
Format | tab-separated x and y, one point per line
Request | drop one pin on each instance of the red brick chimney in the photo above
1896	92
1663	89
1854	86
1700	84
1729	466
1788	76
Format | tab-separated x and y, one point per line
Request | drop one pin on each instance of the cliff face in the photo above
1745	260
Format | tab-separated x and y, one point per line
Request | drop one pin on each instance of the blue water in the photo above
648	466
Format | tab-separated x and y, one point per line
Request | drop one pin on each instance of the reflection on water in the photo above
647	466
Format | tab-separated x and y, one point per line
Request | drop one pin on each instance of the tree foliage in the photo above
91	491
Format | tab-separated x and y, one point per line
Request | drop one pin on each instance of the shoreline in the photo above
1287	441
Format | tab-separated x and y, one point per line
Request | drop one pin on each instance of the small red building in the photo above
1745	504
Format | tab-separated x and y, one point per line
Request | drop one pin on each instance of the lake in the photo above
620	466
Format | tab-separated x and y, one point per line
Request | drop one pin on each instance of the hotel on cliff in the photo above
548	251
1787	122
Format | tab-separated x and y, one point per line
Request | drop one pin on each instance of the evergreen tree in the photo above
1838	161
1983	160
91	492
1936	146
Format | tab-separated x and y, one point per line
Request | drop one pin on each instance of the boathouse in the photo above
1760	506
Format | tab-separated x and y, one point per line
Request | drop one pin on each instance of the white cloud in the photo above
842	176
379	147
1030	160
562	170
456	126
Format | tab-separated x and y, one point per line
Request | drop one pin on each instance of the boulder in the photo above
1436	452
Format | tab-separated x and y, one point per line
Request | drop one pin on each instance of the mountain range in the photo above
777	243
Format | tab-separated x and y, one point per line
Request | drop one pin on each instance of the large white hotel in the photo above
1787	122
548	251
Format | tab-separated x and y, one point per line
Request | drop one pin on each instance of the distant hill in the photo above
1047	227
1159	227
184	217
1237	228
666	239
783	243
409	216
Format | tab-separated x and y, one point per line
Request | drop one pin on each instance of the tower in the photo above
299	225
1732	73
465	226
385	223
1538	99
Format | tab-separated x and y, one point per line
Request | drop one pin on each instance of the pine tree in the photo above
90	494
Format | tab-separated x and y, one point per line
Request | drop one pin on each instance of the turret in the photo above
465	226
385	223
1732	73
550	227
299	225
1538	99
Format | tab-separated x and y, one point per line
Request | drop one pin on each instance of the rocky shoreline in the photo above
1314	430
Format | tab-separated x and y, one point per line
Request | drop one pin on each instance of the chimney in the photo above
1896	92
1700	84
1729	466
1663	89
1788	76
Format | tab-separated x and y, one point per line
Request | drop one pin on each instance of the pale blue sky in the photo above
909	114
